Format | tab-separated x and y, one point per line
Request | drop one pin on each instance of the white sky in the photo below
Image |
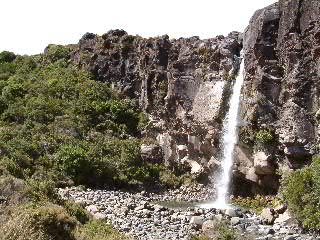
28	26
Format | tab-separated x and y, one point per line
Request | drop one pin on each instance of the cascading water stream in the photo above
230	138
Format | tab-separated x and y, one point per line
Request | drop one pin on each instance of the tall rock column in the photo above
281	91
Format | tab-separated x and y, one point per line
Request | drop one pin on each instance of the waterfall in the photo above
230	138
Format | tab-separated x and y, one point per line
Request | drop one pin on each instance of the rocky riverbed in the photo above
143	215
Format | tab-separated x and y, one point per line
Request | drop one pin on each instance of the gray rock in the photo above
235	220
208	228
218	217
92	209
267	216
286	219
292	237
151	153
162	74
263	164
231	212
197	221
99	215
280	209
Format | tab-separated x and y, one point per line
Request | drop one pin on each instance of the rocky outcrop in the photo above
182	84
281	89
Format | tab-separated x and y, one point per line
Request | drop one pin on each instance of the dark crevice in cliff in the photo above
297	27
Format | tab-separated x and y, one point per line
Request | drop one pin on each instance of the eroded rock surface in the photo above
281	89
182	84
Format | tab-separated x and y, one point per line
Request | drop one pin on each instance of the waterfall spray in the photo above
230	138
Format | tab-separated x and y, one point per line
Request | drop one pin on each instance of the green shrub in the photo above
42	190
7	56
57	52
143	121
169	179
256	204
301	190
56	117
229	77
98	230
264	136
54	221
76	211
225	231
46	222
74	160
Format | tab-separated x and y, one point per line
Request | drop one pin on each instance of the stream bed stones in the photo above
143	216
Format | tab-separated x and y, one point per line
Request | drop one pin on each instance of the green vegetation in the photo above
256	204
229	77
53	222
173	180
264	136
206	53
301	190
7	57
56	52
222	231
58	127
225	231
98	230
57	121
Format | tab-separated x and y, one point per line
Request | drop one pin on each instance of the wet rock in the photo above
292	237
152	221
219	217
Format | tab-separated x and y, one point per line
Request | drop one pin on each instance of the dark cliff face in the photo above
281	90
181	84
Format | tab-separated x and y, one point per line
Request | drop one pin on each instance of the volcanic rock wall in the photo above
184	85
280	105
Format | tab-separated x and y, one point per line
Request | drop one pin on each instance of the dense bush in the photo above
173	180
54	221
47	222
56	121
7	56
301	190
57	52
58	126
